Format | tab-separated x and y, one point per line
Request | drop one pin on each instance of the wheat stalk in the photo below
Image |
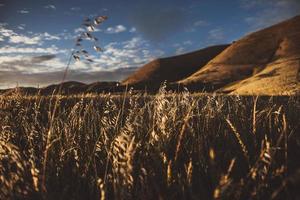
97	21
239	139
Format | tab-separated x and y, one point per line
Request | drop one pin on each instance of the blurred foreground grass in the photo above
164	146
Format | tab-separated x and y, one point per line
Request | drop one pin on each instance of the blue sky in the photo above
36	36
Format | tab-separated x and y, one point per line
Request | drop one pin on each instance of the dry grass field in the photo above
163	146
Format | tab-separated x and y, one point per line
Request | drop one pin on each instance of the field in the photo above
163	146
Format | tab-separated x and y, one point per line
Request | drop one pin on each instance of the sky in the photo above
37	37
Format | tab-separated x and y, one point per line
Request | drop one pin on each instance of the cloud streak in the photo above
15	38
23	11
116	29
216	34
31	50
50	6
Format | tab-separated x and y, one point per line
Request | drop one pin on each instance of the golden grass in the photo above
166	146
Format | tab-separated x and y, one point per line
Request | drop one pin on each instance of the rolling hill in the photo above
66	88
264	62
171	69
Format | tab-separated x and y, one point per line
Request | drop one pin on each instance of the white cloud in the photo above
48	36
50	6
188	42
6	32
132	30
216	34
31	50
116	29
1	4
20	27
75	9
180	50
132	53
33	39
15	39
79	30
179	46
190	30
194	26
53	65
82	30
134	43
23	11
200	23
66	35
9	58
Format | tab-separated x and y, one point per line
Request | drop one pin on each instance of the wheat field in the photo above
163	146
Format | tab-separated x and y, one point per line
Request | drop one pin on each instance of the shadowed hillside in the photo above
264	62
172	69
67	88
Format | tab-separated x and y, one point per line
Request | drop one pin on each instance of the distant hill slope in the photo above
173	68
67	88
264	62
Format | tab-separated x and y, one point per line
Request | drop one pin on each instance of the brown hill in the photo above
172	69
264	62
99	87
69	87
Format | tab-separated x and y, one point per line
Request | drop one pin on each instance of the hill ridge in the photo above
250	55
172	68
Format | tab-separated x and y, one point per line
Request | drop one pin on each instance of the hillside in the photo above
264	62
172	69
69	87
